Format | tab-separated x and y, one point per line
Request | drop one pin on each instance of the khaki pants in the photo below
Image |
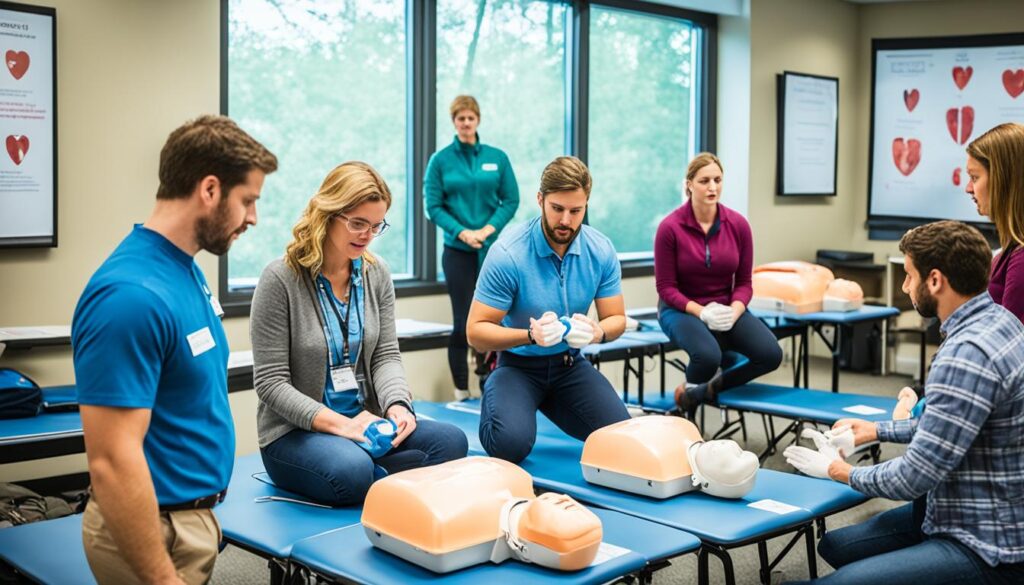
191	537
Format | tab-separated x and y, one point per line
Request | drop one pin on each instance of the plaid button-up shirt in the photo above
966	452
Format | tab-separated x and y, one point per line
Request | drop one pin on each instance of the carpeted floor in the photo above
237	567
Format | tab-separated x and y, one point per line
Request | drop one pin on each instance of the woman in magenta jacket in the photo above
703	257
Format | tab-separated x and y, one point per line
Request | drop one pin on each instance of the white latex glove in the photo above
905	402
808	461
717	316
595	327
580	333
822	443
842	439
547	330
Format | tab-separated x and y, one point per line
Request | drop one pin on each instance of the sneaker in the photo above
461	395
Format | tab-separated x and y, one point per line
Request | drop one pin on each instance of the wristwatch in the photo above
529	333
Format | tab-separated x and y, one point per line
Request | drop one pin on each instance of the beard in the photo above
926	305
213	233
555	236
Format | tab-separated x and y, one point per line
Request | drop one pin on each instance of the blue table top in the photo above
554	465
348	554
865	313
271	528
49	552
53	425
816	405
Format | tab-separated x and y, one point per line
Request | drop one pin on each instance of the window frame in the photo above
421	136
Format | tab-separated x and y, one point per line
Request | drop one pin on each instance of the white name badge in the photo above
217	309
201	341
344	378
489	166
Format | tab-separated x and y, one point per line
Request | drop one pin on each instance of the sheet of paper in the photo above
865	410
607	552
773	506
41	332
240	359
416	328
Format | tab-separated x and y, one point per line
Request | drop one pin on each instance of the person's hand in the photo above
594	325
547	330
351	428
863	431
469	237
834	448
905	402
579	334
717	317
404	420
808	461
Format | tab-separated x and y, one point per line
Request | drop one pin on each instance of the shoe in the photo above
712	387
688	398
461	395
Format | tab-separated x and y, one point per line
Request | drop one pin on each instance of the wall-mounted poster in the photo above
808	134
933	96
28	126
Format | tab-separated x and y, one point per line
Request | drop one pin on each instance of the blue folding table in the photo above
48	552
721	524
347	554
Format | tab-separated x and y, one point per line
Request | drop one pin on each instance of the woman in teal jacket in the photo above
470	193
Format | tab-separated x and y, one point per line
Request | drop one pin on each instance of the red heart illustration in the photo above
910	97
906	155
956	176
961	119
17	63
962	75
1013	81
17	148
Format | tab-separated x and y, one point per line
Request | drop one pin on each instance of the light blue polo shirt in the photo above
144	335
523	276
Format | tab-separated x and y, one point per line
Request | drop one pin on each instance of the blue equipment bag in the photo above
20	396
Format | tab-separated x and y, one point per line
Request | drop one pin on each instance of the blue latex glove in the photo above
378	437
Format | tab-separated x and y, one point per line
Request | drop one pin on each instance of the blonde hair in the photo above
1001	152
565	173
346	187
464	102
700	161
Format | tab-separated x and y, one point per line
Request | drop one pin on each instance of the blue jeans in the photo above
567	389
891	549
336	471
748	336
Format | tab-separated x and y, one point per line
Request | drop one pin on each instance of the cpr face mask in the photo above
720	468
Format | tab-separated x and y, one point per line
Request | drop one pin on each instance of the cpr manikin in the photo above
791	287
663	456
475	510
842	295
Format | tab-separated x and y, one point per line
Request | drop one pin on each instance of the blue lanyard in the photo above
342	322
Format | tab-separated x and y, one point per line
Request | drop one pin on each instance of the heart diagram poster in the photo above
928	105
27	173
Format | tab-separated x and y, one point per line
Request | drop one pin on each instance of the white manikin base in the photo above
637	485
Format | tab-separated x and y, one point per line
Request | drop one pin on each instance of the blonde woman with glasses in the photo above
325	352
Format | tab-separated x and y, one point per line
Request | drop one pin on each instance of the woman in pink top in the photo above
995	170
703	257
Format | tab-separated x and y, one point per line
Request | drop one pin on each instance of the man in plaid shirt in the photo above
965	454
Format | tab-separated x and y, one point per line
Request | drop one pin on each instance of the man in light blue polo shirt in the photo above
531	300
151	366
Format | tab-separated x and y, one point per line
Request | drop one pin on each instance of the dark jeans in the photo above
890	548
461	270
334	470
570	392
748	336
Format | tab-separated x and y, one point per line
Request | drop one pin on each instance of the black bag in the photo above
20	396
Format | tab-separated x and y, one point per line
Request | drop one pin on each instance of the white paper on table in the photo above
415	328
864	410
607	552
774	506
41	332
240	359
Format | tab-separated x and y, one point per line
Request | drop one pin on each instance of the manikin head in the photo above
721	468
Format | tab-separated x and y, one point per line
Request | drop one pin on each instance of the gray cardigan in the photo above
290	352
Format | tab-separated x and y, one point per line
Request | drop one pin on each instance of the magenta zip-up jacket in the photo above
1006	283
692	266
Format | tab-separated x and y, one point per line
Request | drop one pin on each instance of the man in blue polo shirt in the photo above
531	300
151	366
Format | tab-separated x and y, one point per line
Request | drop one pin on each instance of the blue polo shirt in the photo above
144	335
523	276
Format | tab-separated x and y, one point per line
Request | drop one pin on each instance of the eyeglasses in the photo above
359	226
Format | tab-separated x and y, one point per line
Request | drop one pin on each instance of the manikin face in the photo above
724	462
351	244
466	122
977	186
562	214
235	212
917	289
706	186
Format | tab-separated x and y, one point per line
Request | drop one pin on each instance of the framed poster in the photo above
930	97
28	126
808	134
